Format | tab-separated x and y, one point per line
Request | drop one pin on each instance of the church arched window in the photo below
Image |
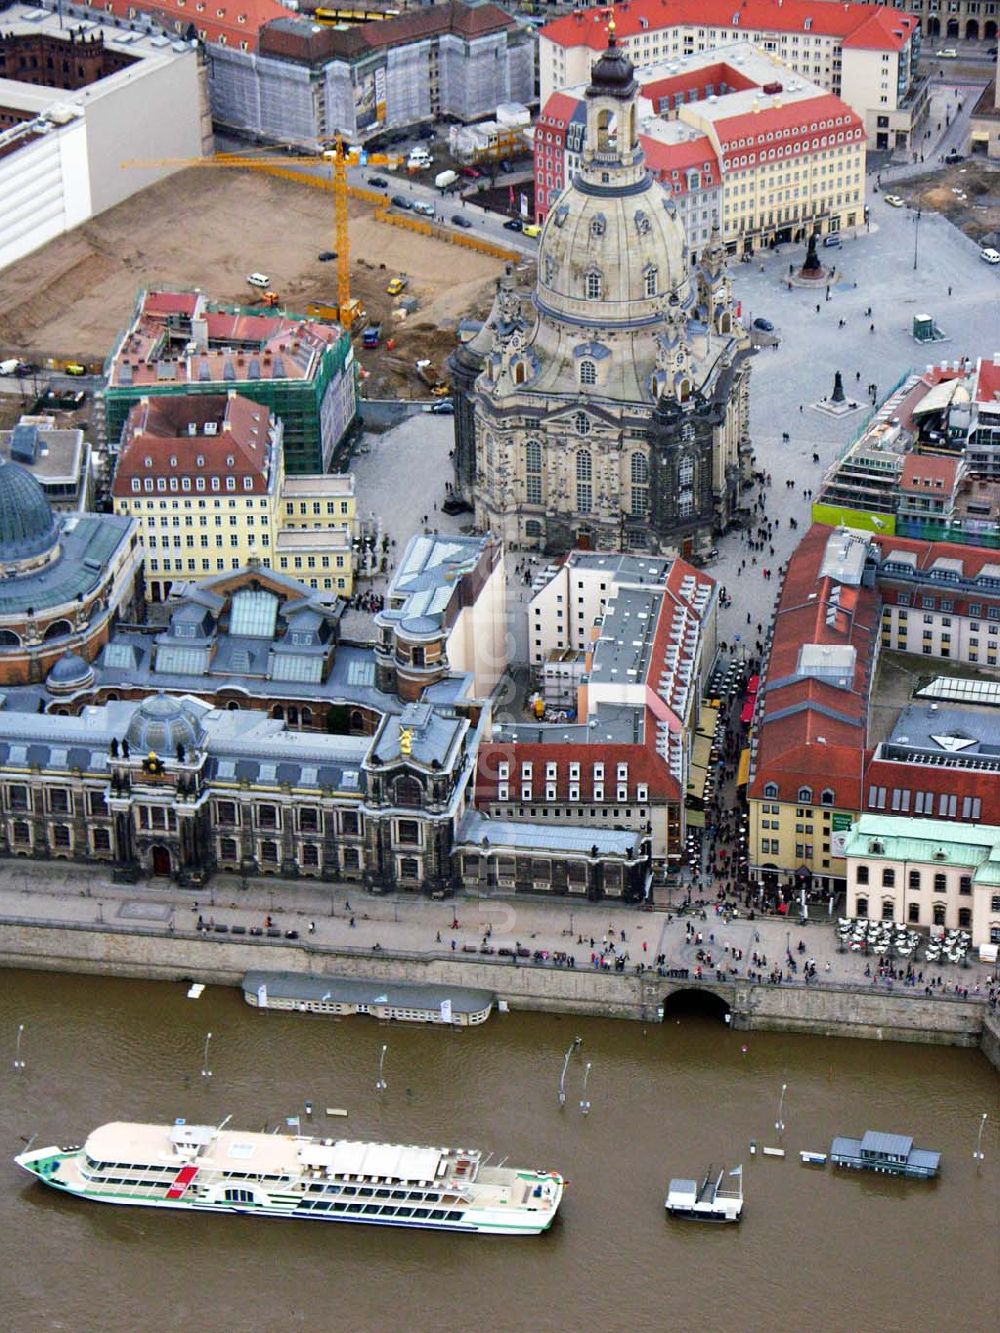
639	475
533	472
593	285
651	278
588	372
519	372
584	482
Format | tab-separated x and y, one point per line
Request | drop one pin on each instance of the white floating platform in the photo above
812	1158
335	1110
195	990
773	1152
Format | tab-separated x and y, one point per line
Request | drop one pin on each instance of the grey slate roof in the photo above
352	990
525	836
87	544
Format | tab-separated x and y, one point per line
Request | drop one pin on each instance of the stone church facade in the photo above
609	406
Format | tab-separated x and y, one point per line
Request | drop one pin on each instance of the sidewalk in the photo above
323	914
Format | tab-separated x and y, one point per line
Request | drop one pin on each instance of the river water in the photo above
815	1249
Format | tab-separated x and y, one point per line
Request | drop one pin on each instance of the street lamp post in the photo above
977	1154
585	1100
916	237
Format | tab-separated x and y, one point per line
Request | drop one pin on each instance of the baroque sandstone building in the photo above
608	409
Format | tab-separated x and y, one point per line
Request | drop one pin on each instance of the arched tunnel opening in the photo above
698	1002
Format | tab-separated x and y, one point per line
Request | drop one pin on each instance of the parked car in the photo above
75	368
763	324
513	224
473	173
397	284
531	229
425	209
326	255
459	220
378	182
832	241
399	201
260	280
947	53
445	408
893	200
989	256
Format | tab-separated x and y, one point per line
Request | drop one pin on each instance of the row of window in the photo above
184	483
939	914
552	771
21	799
923	803
914	880
573	792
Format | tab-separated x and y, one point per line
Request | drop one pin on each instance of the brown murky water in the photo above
815	1250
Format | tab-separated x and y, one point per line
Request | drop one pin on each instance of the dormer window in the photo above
771	791
598	225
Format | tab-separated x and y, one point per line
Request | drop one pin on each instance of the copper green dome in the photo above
28	526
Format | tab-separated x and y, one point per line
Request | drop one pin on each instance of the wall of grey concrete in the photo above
990	1043
222	960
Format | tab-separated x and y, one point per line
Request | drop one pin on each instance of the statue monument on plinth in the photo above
838	388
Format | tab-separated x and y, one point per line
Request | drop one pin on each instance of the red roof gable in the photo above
792	119
928	472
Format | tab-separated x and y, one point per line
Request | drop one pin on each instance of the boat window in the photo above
399	1194
365	1193
454	1216
421	1212
373	1208
348	1189
437	1214
355	1207
383	1194
404	1212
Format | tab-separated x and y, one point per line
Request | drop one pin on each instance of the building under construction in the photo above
309	81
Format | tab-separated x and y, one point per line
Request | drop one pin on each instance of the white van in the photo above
8	367
258	280
419	157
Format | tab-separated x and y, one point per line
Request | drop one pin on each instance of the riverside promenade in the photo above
344	918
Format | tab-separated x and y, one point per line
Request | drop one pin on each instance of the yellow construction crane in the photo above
339	159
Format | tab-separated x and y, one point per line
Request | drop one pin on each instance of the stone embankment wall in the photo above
820	1010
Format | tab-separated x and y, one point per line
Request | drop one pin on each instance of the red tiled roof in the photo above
875	27
988	382
156	443
235	21
971	558
644	765
468	21
812	732
928	472
799	119
698	79
952	781
559	107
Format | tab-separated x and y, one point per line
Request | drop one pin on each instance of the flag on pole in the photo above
446	1011
262	996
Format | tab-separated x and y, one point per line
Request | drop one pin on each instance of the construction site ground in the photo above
209	228
977	214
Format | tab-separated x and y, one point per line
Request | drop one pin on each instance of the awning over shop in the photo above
743	769
695	818
701	752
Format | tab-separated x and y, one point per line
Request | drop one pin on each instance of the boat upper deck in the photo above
246	1154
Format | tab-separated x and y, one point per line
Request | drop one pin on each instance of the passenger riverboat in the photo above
211	1169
